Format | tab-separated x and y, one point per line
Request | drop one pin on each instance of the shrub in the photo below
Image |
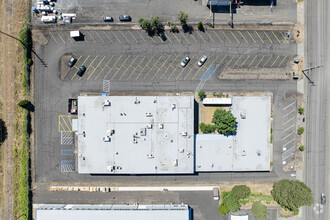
231	202
301	110
223	209
302	148
241	191
201	94
156	24
206	128
200	26
224	121
183	17
172	26
301	130
24	103
259	210
292	194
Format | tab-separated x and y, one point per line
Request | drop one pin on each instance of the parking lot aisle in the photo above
260	61
274	61
128	67
138	66
111	68
268	37
90	65
245	61
107	36
251	37
122	65
95	68
80	65
162	66
136	41
152	68
176	38
223	32
99	36
282	61
106	65
170	66
221	41
284	37
201	36
252	61
259	37
143	68
53	37
91	36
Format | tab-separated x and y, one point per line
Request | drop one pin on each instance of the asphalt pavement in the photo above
317	49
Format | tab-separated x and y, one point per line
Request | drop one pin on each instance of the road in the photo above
316	53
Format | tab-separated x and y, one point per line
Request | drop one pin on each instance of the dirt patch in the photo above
255	74
208	112
63	65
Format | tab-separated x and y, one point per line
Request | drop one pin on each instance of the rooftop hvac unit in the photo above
106	139
136	101
183	133
143	131
243	115
149	126
259	152
148	114
106	103
181	150
175	163
150	156
243	153
161	126
173	106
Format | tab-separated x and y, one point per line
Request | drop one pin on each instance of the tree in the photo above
201	94
183	17
223	209
259	210
200	26
156	24
301	110
145	24
224	121
172	26
241	191
292	194
302	148
301	130
206	128
231	202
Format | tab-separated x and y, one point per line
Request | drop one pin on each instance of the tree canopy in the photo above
223	209
206	128
259	210
231	202
292	194
224	121
183	17
241	191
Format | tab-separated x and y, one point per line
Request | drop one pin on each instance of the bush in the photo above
156	24
231	202
224	122
223	209
172	26
200	26
302	148
24	103
183	17
301	130
206	128
259	210
241	191
292	194
301	110
201	94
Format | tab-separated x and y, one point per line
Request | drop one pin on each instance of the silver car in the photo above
185	61
202	60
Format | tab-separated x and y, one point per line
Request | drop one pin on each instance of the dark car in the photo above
323	199
72	61
81	71
125	18
107	19
162	35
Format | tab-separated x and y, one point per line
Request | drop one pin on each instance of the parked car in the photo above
323	199
125	18
185	61
81	71
162	35
202	60
107	19
71	62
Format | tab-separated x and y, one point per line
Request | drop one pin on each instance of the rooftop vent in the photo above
181	150
136	101
148	114
243	115
106	139
243	153
259	152
161	126
149	126
183	133
150	156
143	131
173	106
175	163
106	103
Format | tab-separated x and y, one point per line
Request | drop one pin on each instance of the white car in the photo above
185	61
202	61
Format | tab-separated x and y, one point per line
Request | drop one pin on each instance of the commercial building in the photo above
135	134
113	212
248	149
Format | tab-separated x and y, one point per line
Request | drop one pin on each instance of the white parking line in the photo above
288	120
289	113
288	143
289	105
288	135
289	128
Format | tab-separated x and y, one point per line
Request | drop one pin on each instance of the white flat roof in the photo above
135	134
217	101
249	149
113	212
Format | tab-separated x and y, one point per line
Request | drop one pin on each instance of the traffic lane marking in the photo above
106	65
60	37
138	66
152	67
91	36
234	36
133	37
53	37
243	36
259	37
201	37
122	65
110	69
251	37
90	65
80	65
276	37
124	36
218	36
128	67
95	68
282	61
107	36
268	37
144	67
114	34
160	68
99	36
170	66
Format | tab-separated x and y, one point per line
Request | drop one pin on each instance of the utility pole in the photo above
310	68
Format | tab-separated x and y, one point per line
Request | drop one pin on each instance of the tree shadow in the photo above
3	131
260	2
187	29
27	105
